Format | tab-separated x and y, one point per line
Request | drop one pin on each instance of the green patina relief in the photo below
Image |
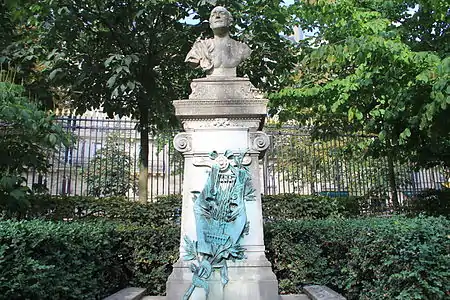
221	219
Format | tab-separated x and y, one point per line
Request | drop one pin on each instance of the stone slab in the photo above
282	297
312	292
131	293
319	292
294	297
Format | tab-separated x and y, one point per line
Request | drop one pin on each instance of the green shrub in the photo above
151	252
57	260
431	203
371	258
143	244
109	173
166	210
293	207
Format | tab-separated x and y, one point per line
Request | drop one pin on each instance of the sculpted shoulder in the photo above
243	50
201	55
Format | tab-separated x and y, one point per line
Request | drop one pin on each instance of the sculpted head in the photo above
222	54
220	18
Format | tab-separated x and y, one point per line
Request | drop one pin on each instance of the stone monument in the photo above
222	253
222	246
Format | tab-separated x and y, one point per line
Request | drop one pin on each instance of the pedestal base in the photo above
247	281
281	297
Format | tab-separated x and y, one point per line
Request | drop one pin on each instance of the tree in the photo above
136	67
28	134
109	172
23	24
128	57
125	57
377	67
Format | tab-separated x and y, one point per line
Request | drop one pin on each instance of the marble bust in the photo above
219	55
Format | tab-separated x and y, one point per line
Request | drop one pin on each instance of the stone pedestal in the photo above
223	113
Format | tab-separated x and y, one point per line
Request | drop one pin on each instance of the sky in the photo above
189	20
288	2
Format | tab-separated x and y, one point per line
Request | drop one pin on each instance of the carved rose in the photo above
223	162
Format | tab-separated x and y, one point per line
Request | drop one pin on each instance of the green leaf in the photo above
351	114
52	139
109	60
382	135
17	194
131	85
405	134
359	115
54	72
111	81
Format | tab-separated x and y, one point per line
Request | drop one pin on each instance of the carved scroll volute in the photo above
259	141
183	142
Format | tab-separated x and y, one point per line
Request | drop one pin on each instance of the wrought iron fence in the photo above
104	162
296	163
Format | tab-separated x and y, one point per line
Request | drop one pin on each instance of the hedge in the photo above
150	252
164	211
167	209
371	258
82	260
46	260
294	207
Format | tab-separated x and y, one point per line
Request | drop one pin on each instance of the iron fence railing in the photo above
296	163
104	161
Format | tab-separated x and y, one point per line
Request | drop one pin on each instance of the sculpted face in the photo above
220	18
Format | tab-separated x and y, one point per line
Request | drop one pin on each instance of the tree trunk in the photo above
312	184
392	180
143	156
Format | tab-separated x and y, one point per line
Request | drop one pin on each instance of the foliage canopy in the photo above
128	57
380	67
